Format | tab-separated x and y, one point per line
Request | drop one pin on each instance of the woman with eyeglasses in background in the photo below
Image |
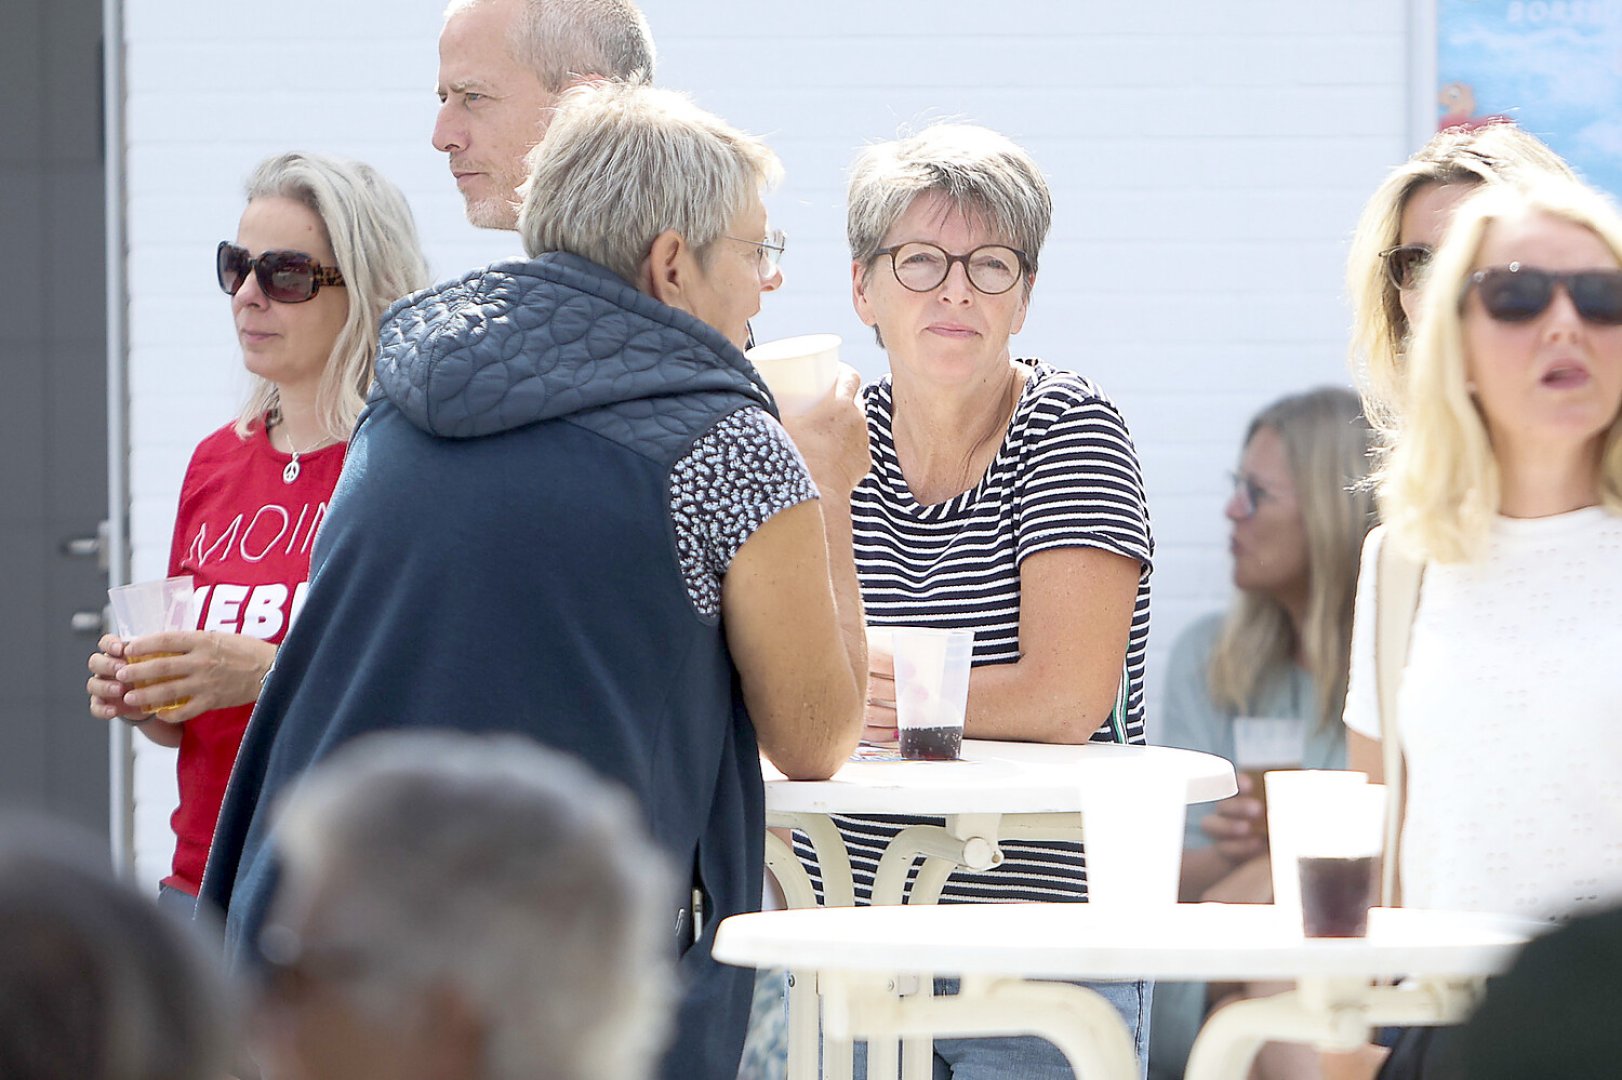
323	247
1004	497
1506	485
1403	223
1298	514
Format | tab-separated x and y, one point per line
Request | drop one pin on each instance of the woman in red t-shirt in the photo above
324	246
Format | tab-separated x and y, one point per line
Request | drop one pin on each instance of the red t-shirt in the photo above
244	534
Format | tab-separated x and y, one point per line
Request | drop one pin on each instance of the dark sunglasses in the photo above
288	277
1516	293
1404	262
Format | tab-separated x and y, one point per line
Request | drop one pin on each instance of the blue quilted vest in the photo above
499	556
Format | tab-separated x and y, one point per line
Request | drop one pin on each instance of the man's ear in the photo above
666	272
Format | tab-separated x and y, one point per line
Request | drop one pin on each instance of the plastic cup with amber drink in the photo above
152	607
1262	744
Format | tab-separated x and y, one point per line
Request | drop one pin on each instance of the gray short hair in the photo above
622	164
565	40
983	173
505	871
96	983
373	236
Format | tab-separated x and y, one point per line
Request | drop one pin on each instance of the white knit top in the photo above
1510	720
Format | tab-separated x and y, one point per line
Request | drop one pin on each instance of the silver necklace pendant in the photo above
290	473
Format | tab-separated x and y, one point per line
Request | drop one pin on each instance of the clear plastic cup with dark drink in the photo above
931	689
1336	894
932	743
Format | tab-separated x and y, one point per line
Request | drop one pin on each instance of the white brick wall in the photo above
1208	159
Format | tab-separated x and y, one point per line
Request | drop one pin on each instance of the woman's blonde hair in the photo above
1327	444
1439	490
368	225
1493	153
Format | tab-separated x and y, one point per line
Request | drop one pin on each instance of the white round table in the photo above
998	791
855	954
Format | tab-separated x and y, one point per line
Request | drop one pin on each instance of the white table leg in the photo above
1332	1014
804	1039
838	887
1085	1027
798	892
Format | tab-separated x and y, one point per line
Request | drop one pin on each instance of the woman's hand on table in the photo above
832	435
878	720
1236	827
206	669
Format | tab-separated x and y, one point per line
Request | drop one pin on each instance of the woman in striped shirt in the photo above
1005	497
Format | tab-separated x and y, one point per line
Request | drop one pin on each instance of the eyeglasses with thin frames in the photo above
1404	264
770	251
1250	494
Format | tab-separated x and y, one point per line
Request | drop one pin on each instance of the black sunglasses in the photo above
288	277
1516	293
1404	262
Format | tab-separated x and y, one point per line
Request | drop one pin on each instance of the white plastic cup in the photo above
1338	860
151	607
1295	802
799	370
1262	744
1132	836
931	690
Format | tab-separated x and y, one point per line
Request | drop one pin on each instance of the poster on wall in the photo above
1552	66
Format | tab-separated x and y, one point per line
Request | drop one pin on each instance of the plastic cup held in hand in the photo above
1132	818
931	690
152	607
1262	744
1292	800
799	370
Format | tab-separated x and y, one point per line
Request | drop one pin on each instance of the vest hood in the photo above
525	340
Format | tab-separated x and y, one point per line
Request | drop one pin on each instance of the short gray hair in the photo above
373	236
562	41
96	983
983	173
503	870
622	164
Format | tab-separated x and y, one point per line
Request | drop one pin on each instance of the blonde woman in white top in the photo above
1506	482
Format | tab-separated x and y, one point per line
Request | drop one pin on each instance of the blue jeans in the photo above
183	905
1026	1057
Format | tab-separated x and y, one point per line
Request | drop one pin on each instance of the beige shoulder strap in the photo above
1396	598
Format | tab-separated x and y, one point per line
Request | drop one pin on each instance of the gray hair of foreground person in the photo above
374	242
562	40
501	871
983	173
622	164
96	983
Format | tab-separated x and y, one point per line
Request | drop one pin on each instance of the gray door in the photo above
53	404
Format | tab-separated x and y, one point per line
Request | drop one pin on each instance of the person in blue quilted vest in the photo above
570	512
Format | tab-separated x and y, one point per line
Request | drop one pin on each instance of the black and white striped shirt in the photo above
1066	475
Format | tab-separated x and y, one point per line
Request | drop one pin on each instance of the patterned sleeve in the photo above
1081	484
736	476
